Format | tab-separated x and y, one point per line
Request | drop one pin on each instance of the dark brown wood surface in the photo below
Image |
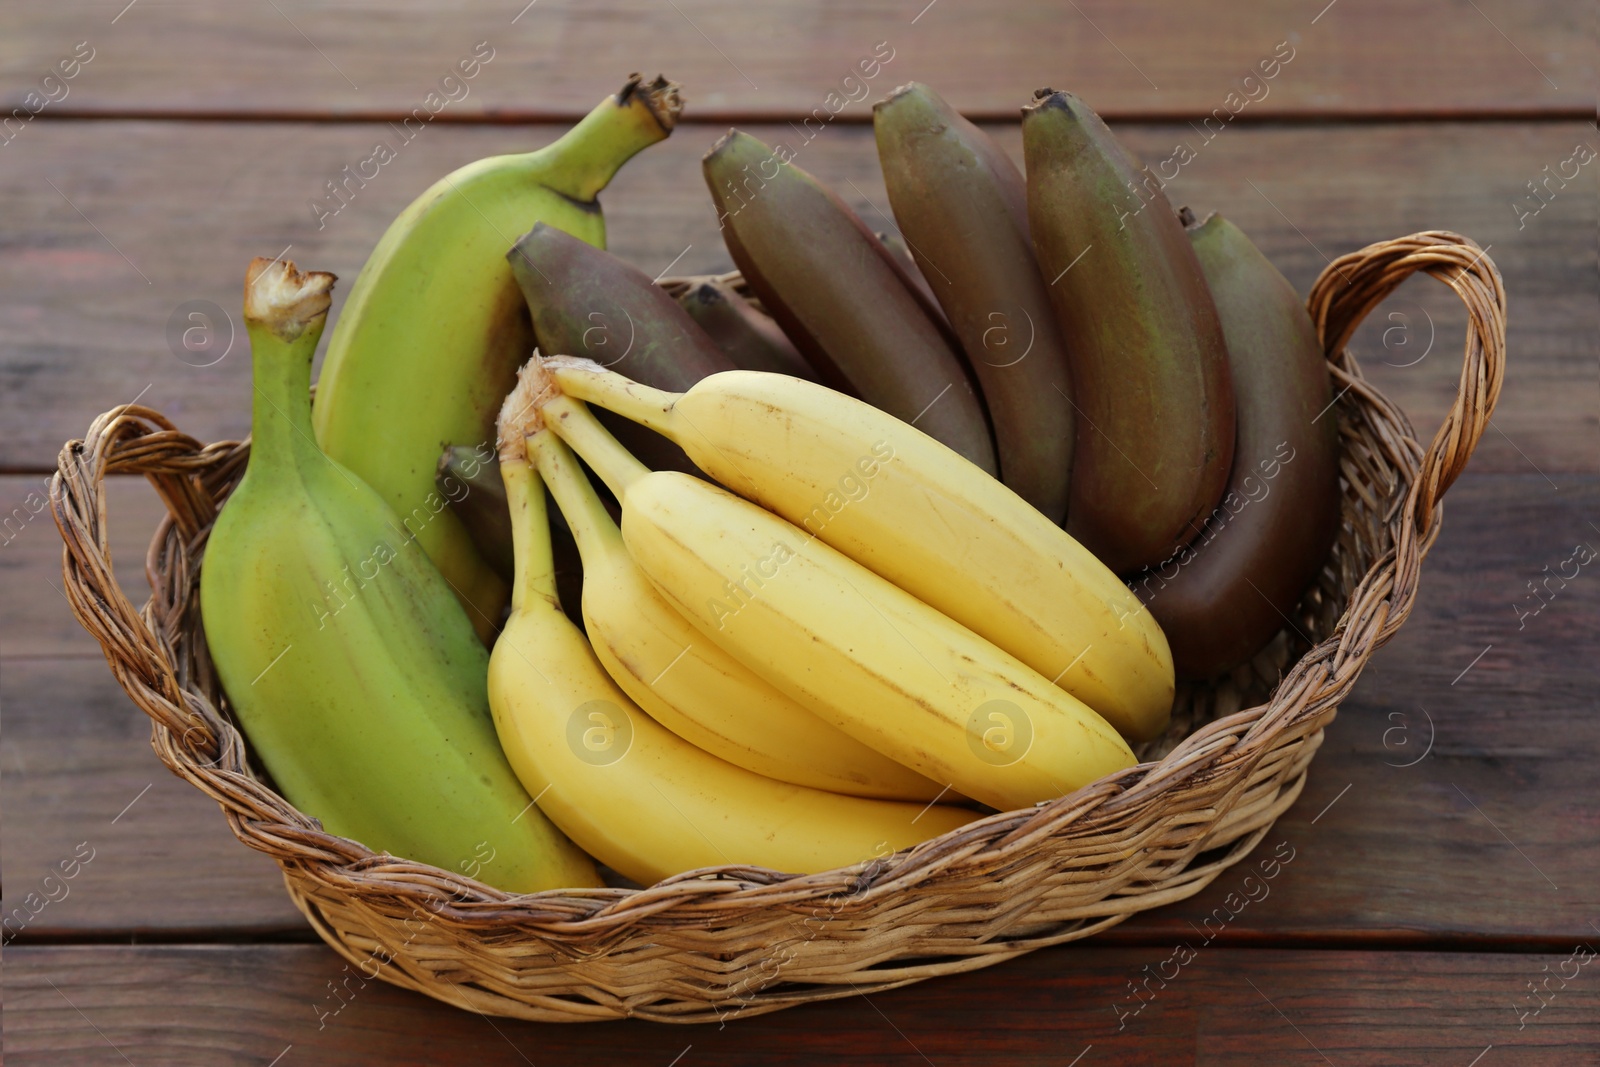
1447	846
555	57
1057	1007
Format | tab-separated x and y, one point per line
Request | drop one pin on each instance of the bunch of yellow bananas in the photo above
792	676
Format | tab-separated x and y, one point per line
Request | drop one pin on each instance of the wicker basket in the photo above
722	942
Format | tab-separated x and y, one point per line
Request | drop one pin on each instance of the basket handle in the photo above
190	479
1352	285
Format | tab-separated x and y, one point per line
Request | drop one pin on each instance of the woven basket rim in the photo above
151	653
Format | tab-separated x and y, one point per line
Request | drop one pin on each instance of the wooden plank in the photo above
38	620
216	1005
1376	850
170	213
783	59
80	782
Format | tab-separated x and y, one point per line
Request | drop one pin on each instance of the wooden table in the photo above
1446	851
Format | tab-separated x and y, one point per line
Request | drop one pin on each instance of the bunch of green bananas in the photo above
343	601
892	527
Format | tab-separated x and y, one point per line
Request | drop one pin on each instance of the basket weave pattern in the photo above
728	941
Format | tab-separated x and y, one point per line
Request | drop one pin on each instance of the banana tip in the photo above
899	92
541	234
662	96
721	144
285	299
1195	225
447	460
706	293
1048	98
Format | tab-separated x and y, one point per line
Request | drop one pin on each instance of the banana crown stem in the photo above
585	159
576	425
534	570
285	310
592	526
588	381
285	300
520	414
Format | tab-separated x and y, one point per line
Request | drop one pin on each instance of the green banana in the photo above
1222	597
963	207
1155	424
354	672
434	329
840	296
589	303
748	337
471	482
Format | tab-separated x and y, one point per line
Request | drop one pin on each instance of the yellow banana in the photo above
687	683
854	648
351	667
911	510
429	341
635	795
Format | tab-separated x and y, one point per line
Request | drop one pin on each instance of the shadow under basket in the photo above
722	942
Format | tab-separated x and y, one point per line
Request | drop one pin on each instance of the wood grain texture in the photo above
1406	853
170	213
81	773
37	620
783	59
1491	839
248	1004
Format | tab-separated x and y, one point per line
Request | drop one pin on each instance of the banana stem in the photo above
285	310
585	158
534	571
577	426
586	514
590	382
